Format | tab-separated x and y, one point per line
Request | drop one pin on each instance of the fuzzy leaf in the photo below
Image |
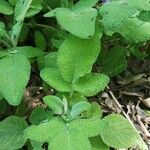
79	23
98	144
75	134
40	115
6	8
126	23
85	3
27	51
53	78
54	103
14	76
78	108
40	40
45	131
117	132
11	133
77	56
91	84
113	61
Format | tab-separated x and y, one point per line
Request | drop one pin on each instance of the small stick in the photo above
143	146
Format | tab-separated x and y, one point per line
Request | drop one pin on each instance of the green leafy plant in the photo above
67	55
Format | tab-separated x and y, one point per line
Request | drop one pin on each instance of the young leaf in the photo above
79	23
91	84
117	132
98	144
78	108
53	78
40	115
54	103
14	76
113	61
40	41
27	51
11	133
77	56
6	8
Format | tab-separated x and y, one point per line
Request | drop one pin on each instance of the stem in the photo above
42	25
19	21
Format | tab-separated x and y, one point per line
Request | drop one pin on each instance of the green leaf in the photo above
11	133
98	144
27	51
4	53
71	56
126	23
78	108
54	103
91	84
2	30
40	115
113	61
74	134
75	98
94	111
117	132
6	8
72	140
85	3
52	77
3	106
14	76
37	145
79	23
40	40
145	16
45	131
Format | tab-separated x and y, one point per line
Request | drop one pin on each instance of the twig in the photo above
143	146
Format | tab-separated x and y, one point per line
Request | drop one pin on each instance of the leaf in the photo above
40	40
79	23
40	115
48	61
77	56
54	103
14	76
98	144
113	61
27	51
78	108
75	98
3	54
72	141
52	77
2	30
11	133
74	135
91	84
3	106
94	111
126	23
6	8
117	132
37	145
45	131
85	3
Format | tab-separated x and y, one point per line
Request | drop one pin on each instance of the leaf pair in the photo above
79	21
75	134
